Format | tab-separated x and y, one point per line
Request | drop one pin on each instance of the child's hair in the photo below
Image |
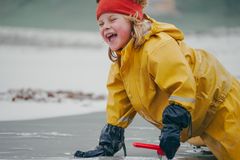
139	29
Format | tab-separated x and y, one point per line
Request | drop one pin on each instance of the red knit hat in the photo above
127	7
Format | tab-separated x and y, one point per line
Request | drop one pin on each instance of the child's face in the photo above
115	30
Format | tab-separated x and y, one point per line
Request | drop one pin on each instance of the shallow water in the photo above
122	158
59	138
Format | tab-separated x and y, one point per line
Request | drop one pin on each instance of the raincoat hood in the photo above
158	27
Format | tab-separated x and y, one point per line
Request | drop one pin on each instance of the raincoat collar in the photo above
155	29
127	53
158	27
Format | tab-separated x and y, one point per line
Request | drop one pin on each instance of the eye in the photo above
100	24
113	19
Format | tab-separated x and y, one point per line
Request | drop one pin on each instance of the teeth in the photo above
109	35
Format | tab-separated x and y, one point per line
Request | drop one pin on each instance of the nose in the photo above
106	26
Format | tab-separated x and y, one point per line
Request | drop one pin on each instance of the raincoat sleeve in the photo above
172	74
119	109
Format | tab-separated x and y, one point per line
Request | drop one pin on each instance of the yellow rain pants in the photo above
222	134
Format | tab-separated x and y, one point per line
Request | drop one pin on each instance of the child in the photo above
185	92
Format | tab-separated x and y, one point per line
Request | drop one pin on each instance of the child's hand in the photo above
175	118
111	141
92	153
170	140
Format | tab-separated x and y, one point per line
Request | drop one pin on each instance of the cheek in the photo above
125	33
101	33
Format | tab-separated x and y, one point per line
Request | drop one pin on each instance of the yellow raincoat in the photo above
165	70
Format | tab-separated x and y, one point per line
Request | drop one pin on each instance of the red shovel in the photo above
159	150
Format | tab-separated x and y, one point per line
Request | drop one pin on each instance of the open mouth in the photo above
111	36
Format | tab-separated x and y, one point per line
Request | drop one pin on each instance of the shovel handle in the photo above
149	146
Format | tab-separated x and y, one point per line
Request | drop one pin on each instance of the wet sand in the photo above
61	137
